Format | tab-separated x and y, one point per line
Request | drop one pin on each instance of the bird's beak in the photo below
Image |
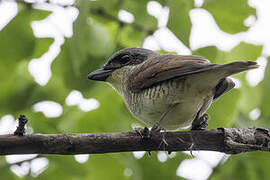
100	74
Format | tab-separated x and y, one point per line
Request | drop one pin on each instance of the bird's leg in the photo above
200	123
145	133
156	129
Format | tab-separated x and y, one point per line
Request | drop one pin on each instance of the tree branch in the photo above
102	13
230	141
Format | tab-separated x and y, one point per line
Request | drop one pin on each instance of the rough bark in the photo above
231	141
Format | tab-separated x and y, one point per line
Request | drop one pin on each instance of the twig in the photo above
21	128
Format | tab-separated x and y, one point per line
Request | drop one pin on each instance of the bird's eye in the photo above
124	59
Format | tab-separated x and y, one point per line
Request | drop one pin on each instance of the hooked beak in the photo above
100	74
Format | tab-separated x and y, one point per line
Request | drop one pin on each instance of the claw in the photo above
181	140
201	123
143	132
190	150
157	130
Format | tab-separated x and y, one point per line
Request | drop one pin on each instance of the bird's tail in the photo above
237	67
216	72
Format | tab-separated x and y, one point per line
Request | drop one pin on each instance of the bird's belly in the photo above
181	115
181	105
178	115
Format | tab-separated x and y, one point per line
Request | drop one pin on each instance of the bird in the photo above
168	91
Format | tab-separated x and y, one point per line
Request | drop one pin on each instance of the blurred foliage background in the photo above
82	106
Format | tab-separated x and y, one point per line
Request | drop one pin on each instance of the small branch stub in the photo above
20	131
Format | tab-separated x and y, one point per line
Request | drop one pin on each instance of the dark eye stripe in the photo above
124	59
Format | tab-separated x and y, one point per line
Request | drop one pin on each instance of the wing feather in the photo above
163	67
223	86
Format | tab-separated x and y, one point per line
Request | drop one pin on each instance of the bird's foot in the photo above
143	132
201	123
156	128
157	131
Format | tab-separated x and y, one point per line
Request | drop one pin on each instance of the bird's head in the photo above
120	65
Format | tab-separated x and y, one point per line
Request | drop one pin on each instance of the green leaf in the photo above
111	116
111	6
139	10
129	37
209	52
100	40
38	14
62	168
40	123
230	14
243	51
251	97
112	163
5	171
148	167
87	49
17	46
223	112
16	39
179	22
248	166
41	46
54	90
264	106
15	89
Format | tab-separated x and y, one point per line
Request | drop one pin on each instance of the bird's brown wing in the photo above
164	67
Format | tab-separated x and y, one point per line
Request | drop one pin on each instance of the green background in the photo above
97	36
